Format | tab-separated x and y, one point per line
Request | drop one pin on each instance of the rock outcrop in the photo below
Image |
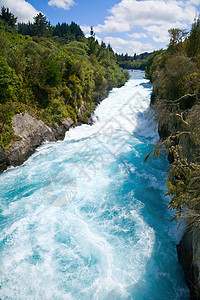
2	160
59	130
101	97
31	133
189	257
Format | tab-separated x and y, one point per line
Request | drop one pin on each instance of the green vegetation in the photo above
52	72
175	74
133	62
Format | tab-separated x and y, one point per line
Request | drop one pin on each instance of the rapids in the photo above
85	218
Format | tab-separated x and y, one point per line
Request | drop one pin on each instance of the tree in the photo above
92	43
8	17
110	48
193	41
26	28
177	36
76	31
40	25
57	30
103	45
92	34
126	56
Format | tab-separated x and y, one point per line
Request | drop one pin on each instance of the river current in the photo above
85	218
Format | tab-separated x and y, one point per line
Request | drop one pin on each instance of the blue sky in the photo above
131	26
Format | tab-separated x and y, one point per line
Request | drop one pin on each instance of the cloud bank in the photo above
128	14
147	21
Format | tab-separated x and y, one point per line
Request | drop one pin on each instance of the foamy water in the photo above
85	218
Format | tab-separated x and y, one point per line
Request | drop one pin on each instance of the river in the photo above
85	218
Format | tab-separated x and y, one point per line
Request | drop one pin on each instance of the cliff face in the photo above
175	74
189	257
2	160
188	249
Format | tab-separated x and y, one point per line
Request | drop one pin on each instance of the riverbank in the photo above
175	74
30	133
188	250
48	84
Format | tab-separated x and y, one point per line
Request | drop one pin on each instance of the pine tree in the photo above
8	17
193	41
40	25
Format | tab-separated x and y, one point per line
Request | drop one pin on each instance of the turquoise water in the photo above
84	218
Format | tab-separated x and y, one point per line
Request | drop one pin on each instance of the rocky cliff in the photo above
188	249
3	164
189	256
30	133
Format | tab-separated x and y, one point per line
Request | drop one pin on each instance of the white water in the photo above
85	218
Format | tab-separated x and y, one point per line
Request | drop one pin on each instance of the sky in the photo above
130	26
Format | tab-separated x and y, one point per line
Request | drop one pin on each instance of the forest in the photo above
133	62
175	74
51	71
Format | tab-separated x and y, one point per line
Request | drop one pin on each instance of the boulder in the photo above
67	123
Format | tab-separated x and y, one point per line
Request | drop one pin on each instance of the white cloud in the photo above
130	46
195	2
116	42
158	15
86	29
160	33
21	9
65	4
137	35
151	19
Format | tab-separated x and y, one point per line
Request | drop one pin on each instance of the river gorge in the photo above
85	218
